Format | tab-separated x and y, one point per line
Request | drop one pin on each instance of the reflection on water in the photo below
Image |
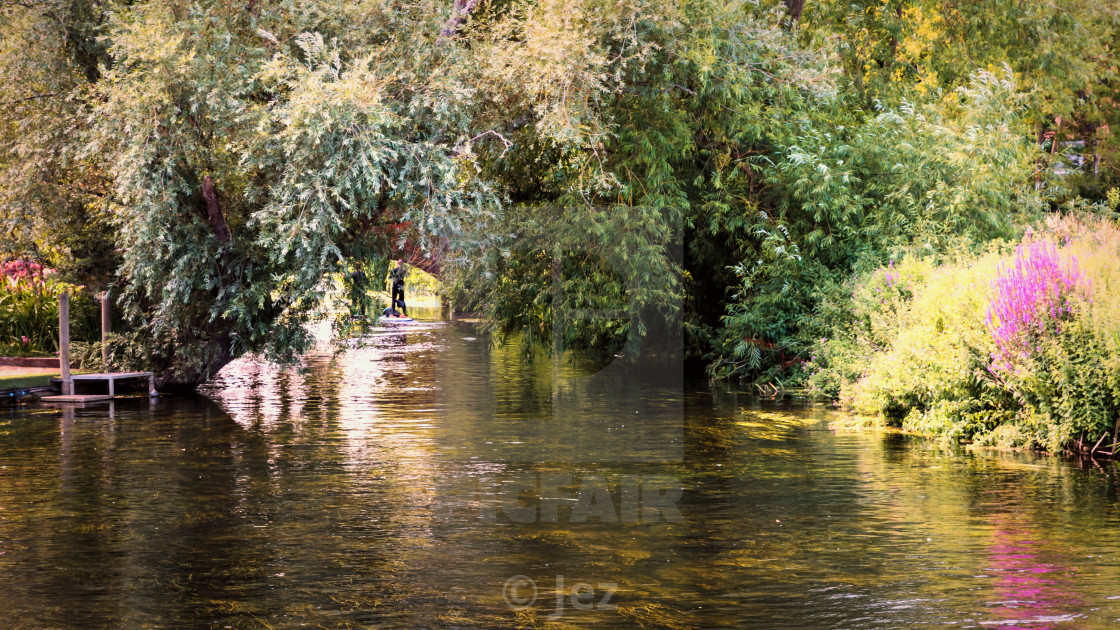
1035	586
426	479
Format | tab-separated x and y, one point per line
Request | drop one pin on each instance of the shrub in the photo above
1030	300
129	351
29	310
1005	348
1064	368
932	351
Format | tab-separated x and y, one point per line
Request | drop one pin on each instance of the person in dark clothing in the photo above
357	291
396	278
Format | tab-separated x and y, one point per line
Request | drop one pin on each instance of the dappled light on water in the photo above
426	478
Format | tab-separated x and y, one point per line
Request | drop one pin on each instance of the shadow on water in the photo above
426	478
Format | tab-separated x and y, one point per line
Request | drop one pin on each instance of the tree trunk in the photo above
894	33
793	13
214	338
214	211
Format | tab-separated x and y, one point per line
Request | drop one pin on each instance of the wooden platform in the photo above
77	398
109	377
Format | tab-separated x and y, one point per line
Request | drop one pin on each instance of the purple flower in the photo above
1035	290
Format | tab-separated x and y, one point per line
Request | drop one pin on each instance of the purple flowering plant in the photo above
1031	297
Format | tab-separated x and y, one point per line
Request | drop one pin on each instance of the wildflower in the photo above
1036	289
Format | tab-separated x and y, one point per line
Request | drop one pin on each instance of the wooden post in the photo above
64	343
105	327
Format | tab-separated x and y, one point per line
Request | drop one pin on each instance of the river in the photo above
425	479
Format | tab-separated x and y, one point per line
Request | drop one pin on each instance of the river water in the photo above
425	479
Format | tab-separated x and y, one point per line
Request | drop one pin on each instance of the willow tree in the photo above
53	200
254	151
618	216
234	156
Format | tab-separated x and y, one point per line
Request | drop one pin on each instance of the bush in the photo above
1004	348
925	343
128	352
29	310
1067	371
926	178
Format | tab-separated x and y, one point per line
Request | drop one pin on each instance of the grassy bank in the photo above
18	379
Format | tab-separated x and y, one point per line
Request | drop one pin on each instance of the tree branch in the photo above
28	98
505	142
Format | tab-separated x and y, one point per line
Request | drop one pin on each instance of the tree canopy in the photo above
719	164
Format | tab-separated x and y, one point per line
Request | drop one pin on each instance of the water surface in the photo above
399	485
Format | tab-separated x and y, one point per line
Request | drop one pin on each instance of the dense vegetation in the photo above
29	303
590	173
1015	346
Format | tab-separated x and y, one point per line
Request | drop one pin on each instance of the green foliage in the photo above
29	314
921	179
582	171
582	281
1063	56
688	93
128	352
1068	385
53	200
314	151
917	353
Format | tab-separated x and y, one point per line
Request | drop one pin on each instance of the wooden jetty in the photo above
68	379
109	377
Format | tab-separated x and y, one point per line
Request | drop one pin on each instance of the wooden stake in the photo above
1097	445
105	327
64	343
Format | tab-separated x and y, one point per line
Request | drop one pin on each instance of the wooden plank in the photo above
77	398
106	376
106	323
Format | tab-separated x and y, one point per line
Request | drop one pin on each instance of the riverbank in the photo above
16	377
1016	347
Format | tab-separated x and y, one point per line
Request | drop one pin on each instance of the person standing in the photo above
357	291
396	278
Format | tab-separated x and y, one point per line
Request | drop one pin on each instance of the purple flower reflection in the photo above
1034	583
